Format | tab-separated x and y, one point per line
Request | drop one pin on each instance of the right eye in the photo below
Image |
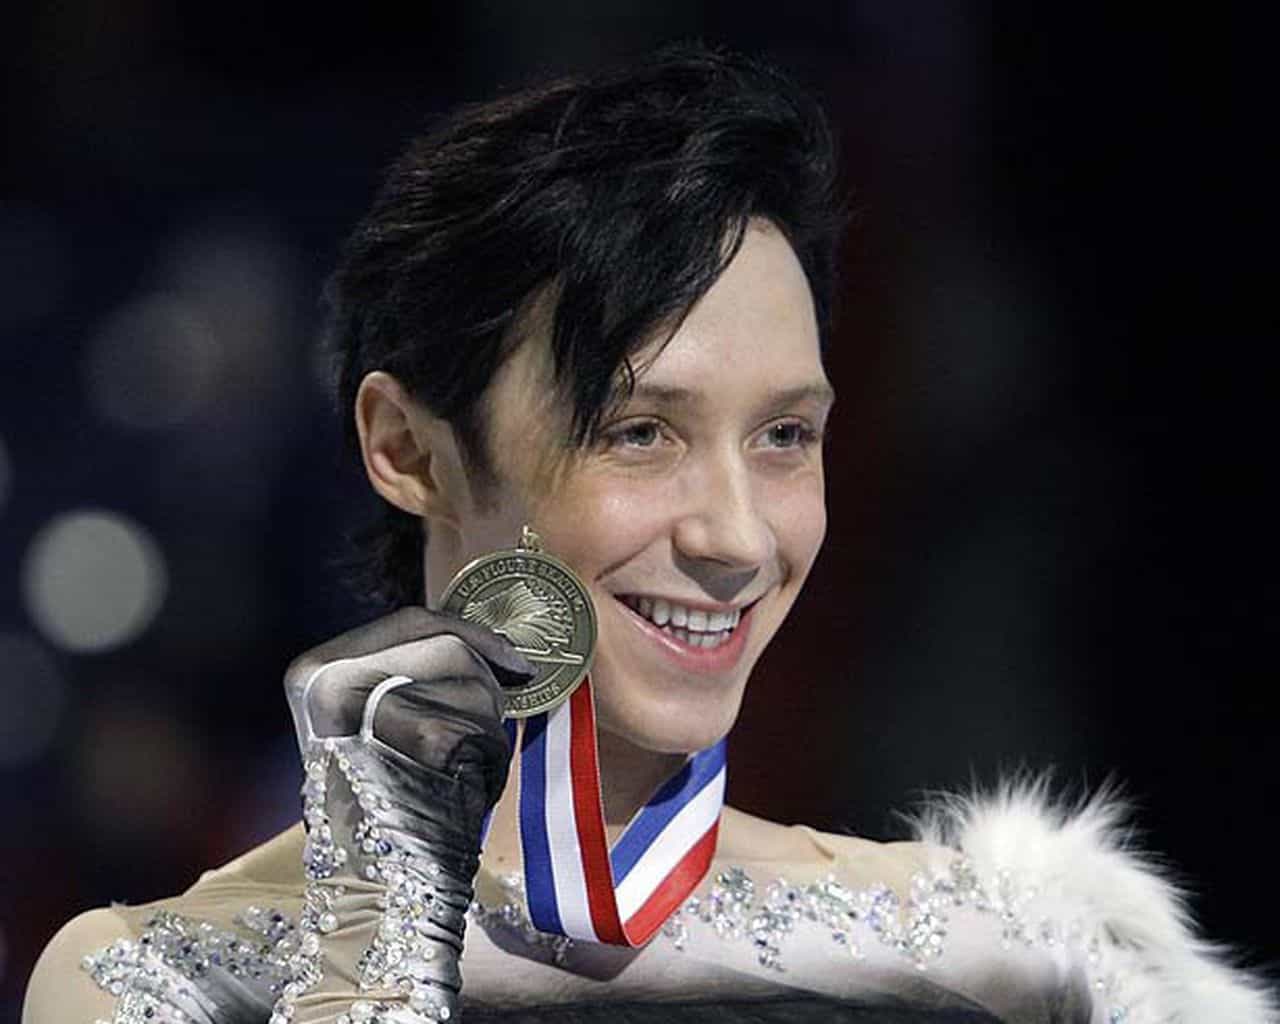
635	434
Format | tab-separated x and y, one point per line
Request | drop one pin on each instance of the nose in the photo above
722	538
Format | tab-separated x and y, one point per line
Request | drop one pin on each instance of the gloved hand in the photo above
399	725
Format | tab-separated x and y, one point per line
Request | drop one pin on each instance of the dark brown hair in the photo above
629	191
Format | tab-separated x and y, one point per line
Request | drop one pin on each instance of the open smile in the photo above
703	639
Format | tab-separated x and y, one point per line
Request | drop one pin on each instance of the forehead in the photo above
754	330
753	334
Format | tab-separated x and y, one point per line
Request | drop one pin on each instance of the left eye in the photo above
789	435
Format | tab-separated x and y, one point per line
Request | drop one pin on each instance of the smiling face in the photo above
695	515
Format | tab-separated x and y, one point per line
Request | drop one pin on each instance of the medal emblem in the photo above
539	604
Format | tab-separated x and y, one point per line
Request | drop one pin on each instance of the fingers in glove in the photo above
334	696
472	750
429	719
402	627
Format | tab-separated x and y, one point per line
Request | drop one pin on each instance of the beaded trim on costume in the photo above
736	909
153	976
417	890
177	971
157	978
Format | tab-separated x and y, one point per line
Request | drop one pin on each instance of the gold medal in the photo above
539	604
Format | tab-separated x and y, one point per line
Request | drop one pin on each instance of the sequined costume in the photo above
1068	928
358	915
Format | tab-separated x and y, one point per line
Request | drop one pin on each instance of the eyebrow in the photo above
674	395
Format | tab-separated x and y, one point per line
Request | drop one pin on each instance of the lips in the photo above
707	640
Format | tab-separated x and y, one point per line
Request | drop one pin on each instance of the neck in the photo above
628	777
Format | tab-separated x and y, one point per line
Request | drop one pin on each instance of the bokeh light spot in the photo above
93	580
155	364
33	694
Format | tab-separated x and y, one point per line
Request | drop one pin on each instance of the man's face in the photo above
695	518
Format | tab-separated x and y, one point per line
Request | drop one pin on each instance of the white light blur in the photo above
245	282
92	580
6	474
33	694
154	364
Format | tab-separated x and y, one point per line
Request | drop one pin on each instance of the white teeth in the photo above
693	626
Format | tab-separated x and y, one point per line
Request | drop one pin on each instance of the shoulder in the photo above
747	837
1072	870
277	862
1024	886
70	981
60	989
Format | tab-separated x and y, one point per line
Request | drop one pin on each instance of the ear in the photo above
410	456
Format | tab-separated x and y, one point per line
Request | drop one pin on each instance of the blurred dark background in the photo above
1050	539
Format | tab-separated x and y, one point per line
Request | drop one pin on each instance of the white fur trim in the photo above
1084	868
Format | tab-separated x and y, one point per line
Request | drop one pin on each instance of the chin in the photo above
658	694
663	724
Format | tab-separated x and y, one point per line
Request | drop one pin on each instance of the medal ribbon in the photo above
576	885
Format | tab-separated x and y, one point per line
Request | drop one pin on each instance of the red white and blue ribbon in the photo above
575	884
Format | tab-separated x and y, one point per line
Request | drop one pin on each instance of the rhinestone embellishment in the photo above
421	906
169	974
512	915
916	929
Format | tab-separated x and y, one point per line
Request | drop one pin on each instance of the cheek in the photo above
595	526
799	514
